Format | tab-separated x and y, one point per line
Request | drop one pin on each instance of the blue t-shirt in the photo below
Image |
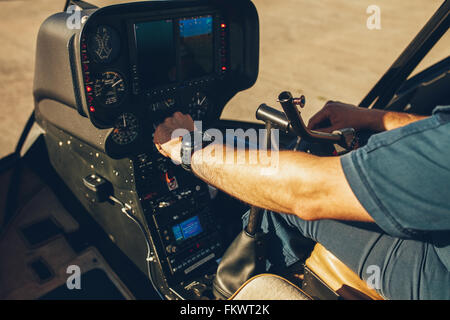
402	178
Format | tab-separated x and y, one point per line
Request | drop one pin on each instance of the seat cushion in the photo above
269	287
338	277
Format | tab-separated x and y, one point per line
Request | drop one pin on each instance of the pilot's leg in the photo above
409	268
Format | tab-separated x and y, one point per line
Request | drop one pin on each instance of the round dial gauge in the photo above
104	44
126	129
109	88
198	106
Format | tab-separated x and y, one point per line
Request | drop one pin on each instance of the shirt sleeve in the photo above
402	177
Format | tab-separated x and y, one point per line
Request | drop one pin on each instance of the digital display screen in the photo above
156	52
187	229
196	46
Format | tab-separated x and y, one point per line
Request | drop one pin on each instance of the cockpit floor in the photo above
38	261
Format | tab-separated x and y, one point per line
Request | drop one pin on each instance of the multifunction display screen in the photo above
196	47
174	50
187	229
156	52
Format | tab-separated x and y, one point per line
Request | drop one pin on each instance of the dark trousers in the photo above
396	268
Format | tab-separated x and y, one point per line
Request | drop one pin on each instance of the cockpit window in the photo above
440	51
331	50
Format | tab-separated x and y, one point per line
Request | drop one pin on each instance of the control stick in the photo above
291	121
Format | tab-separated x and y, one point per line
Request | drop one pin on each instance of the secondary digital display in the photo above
196	46
174	50
187	229
156	52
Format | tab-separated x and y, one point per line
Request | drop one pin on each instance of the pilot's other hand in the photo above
167	144
337	115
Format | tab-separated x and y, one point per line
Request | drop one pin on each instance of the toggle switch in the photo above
98	187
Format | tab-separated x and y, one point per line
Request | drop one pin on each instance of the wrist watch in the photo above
191	142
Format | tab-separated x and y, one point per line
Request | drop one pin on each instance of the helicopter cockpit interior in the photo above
105	78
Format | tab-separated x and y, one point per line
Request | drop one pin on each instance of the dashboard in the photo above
140	67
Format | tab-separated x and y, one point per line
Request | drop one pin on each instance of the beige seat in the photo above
338	277
329	269
269	287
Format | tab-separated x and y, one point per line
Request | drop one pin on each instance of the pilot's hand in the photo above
338	115
168	144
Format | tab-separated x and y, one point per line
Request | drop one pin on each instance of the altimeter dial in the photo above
126	129
109	88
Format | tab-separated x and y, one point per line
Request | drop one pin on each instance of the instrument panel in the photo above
104	88
139	69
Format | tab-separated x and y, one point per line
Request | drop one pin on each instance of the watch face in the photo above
187	147
191	142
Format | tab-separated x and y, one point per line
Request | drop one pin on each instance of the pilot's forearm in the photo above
389	120
296	183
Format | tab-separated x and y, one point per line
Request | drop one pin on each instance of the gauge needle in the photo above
116	83
124	121
201	102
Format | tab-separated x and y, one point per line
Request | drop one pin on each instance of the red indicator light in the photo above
169	179
223	25
224	68
88	88
91	109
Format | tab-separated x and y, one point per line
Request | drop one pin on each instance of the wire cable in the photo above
125	210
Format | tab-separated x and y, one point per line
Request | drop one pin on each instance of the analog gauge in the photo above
104	44
109	88
126	129
198	106
166	104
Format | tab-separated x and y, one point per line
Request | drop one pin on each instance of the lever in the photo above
102	190
291	121
292	113
99	187
276	118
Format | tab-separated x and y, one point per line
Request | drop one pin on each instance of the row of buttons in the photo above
88	82
184	251
173	89
223	51
192	259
